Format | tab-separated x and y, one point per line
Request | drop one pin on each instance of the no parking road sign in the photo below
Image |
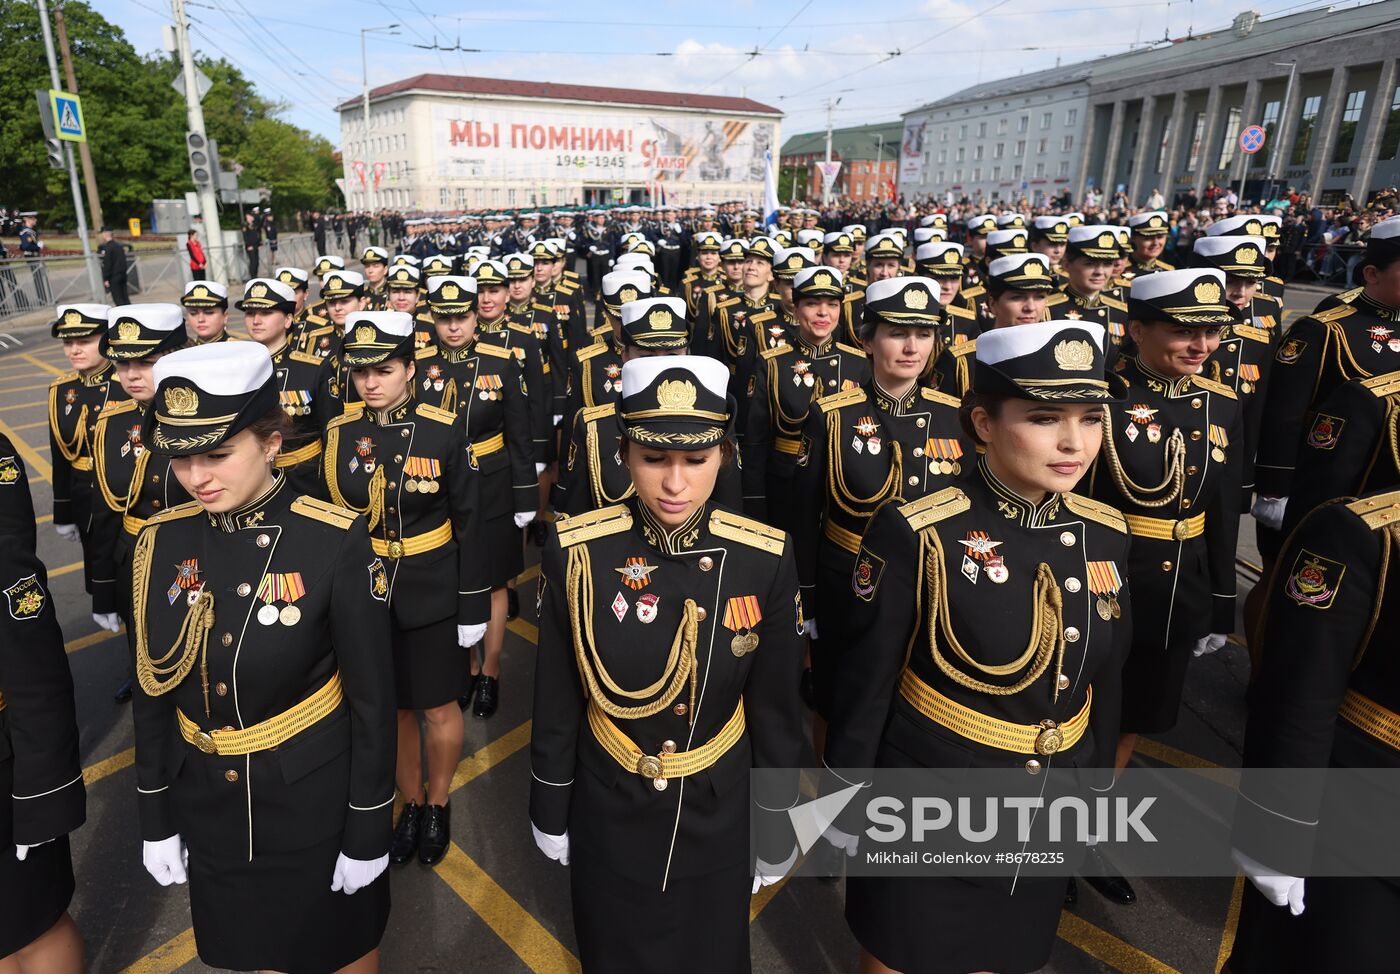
67	116
1252	139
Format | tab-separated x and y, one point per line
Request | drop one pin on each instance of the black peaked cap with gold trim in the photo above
452	294
205	294
1095	242
789	260
294	277
1236	256
675	402
403	277
818	282
1020	272
207	394
342	284
903	301
79	321
883	245
1049	361
620	287
372	337
655	324
136	331
1004	243
264	293
327	263
1153	223
939	258
1187	297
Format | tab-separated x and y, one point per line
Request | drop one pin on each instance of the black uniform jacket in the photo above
75	402
968	537
595	376
335	777
486	384
788	380
411	470
306	389
863	448
614	590
16	503
1350	341
521	341
1243	362
1185	585
38	724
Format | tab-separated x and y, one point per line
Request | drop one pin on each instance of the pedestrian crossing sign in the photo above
67	116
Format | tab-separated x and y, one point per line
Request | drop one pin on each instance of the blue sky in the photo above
792	54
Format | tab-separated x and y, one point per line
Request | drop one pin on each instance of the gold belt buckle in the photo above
1180	530
396	550
650	767
1050	739
205	743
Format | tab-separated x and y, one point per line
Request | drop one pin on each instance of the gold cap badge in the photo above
364	335
1207	292
915	299
676	394
450	292
181	401
1074	356
660	319
128	331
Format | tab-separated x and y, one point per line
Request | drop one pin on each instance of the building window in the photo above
1016	171
981	130
962	153
1306	120
1071	116
962	132
444	196
510	197
1346	131
1047	119
957	175
942	156
1000	151
1040	170
1198	125
1064	168
1229	142
1163	144
942	176
462	197
977	151
1067	143
1390	139
1041	145
996	173
480	196
976	174
943	134
1023	123
1001	126
1020	148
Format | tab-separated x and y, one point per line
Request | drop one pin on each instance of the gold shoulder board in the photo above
727	302
523	329
747	531
114	408
353	411
296	355
538	306
187	509
65	377
1056	299
593	524
1383	385
1164	266
1096	511
1210	385
495	351
592	351
935	395
860	352
1113	302
976	291
768	354
566	286
445	416
1335	314
591	414
856	295
966	348
958	311
1347	297
938	506
1250	332
427	351
318	510
838	399
762	316
1379	511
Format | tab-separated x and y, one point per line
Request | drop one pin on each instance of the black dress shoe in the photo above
1071	893
512	603
123	693
465	700
1109	884
437	835
406	833
488	689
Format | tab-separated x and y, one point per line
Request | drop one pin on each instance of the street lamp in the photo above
1274	156
364	68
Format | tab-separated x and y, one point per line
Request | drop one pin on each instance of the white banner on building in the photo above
830	170
471	142
911	153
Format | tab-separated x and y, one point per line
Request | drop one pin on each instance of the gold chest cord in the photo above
159	676
836	483
1174	455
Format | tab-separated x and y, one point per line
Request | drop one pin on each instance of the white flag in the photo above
770	191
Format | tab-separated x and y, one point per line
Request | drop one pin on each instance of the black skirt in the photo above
504	545
1153	679
699	924
430	669
278	912
35	893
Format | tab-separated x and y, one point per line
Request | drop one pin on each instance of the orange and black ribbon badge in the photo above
742	615
636	573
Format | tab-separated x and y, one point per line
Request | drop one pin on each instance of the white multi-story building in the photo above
450	142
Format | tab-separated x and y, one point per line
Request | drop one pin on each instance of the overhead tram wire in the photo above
759	49
342	92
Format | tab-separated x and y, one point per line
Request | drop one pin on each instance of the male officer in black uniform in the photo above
1149	235
32	250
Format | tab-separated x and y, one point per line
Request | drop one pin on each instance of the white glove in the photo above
166	860
22	851
1278	889
809	628
523	518
766	874
844	841
470	635
1268	511
1208	644
108	620
68	532
558	418
554	846
539	469
353	875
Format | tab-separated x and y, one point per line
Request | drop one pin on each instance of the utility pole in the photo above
364	109
826	180
84	153
89	259
219	264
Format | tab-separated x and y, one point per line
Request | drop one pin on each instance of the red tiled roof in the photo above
462	84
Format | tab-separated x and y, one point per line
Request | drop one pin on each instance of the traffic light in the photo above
55	151
197	147
52	146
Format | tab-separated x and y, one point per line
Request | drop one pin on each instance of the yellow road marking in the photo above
42	364
1232	919
42	385
39	468
514	924
526	630
169	956
1104	946
43	519
1176	757
29	426
91	639
41	404
109	766
65	569
477	764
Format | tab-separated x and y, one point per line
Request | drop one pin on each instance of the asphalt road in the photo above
495	903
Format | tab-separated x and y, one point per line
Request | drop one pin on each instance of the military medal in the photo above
802	373
267	615
742	615
970	570
635	573
1249	377
646	608
996	570
612	378
1219	441
186	577
873	445
1105	583
290	615
944	454
420	475
280	587
620	607
1131	433
857	445
1154	432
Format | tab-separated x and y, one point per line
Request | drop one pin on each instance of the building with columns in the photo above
1168	116
868	154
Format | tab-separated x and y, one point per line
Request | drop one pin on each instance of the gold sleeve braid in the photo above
375	507
601	498
1046	637
680	663
159	676
836	483
99	466
70	451
1392	421
1174	455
